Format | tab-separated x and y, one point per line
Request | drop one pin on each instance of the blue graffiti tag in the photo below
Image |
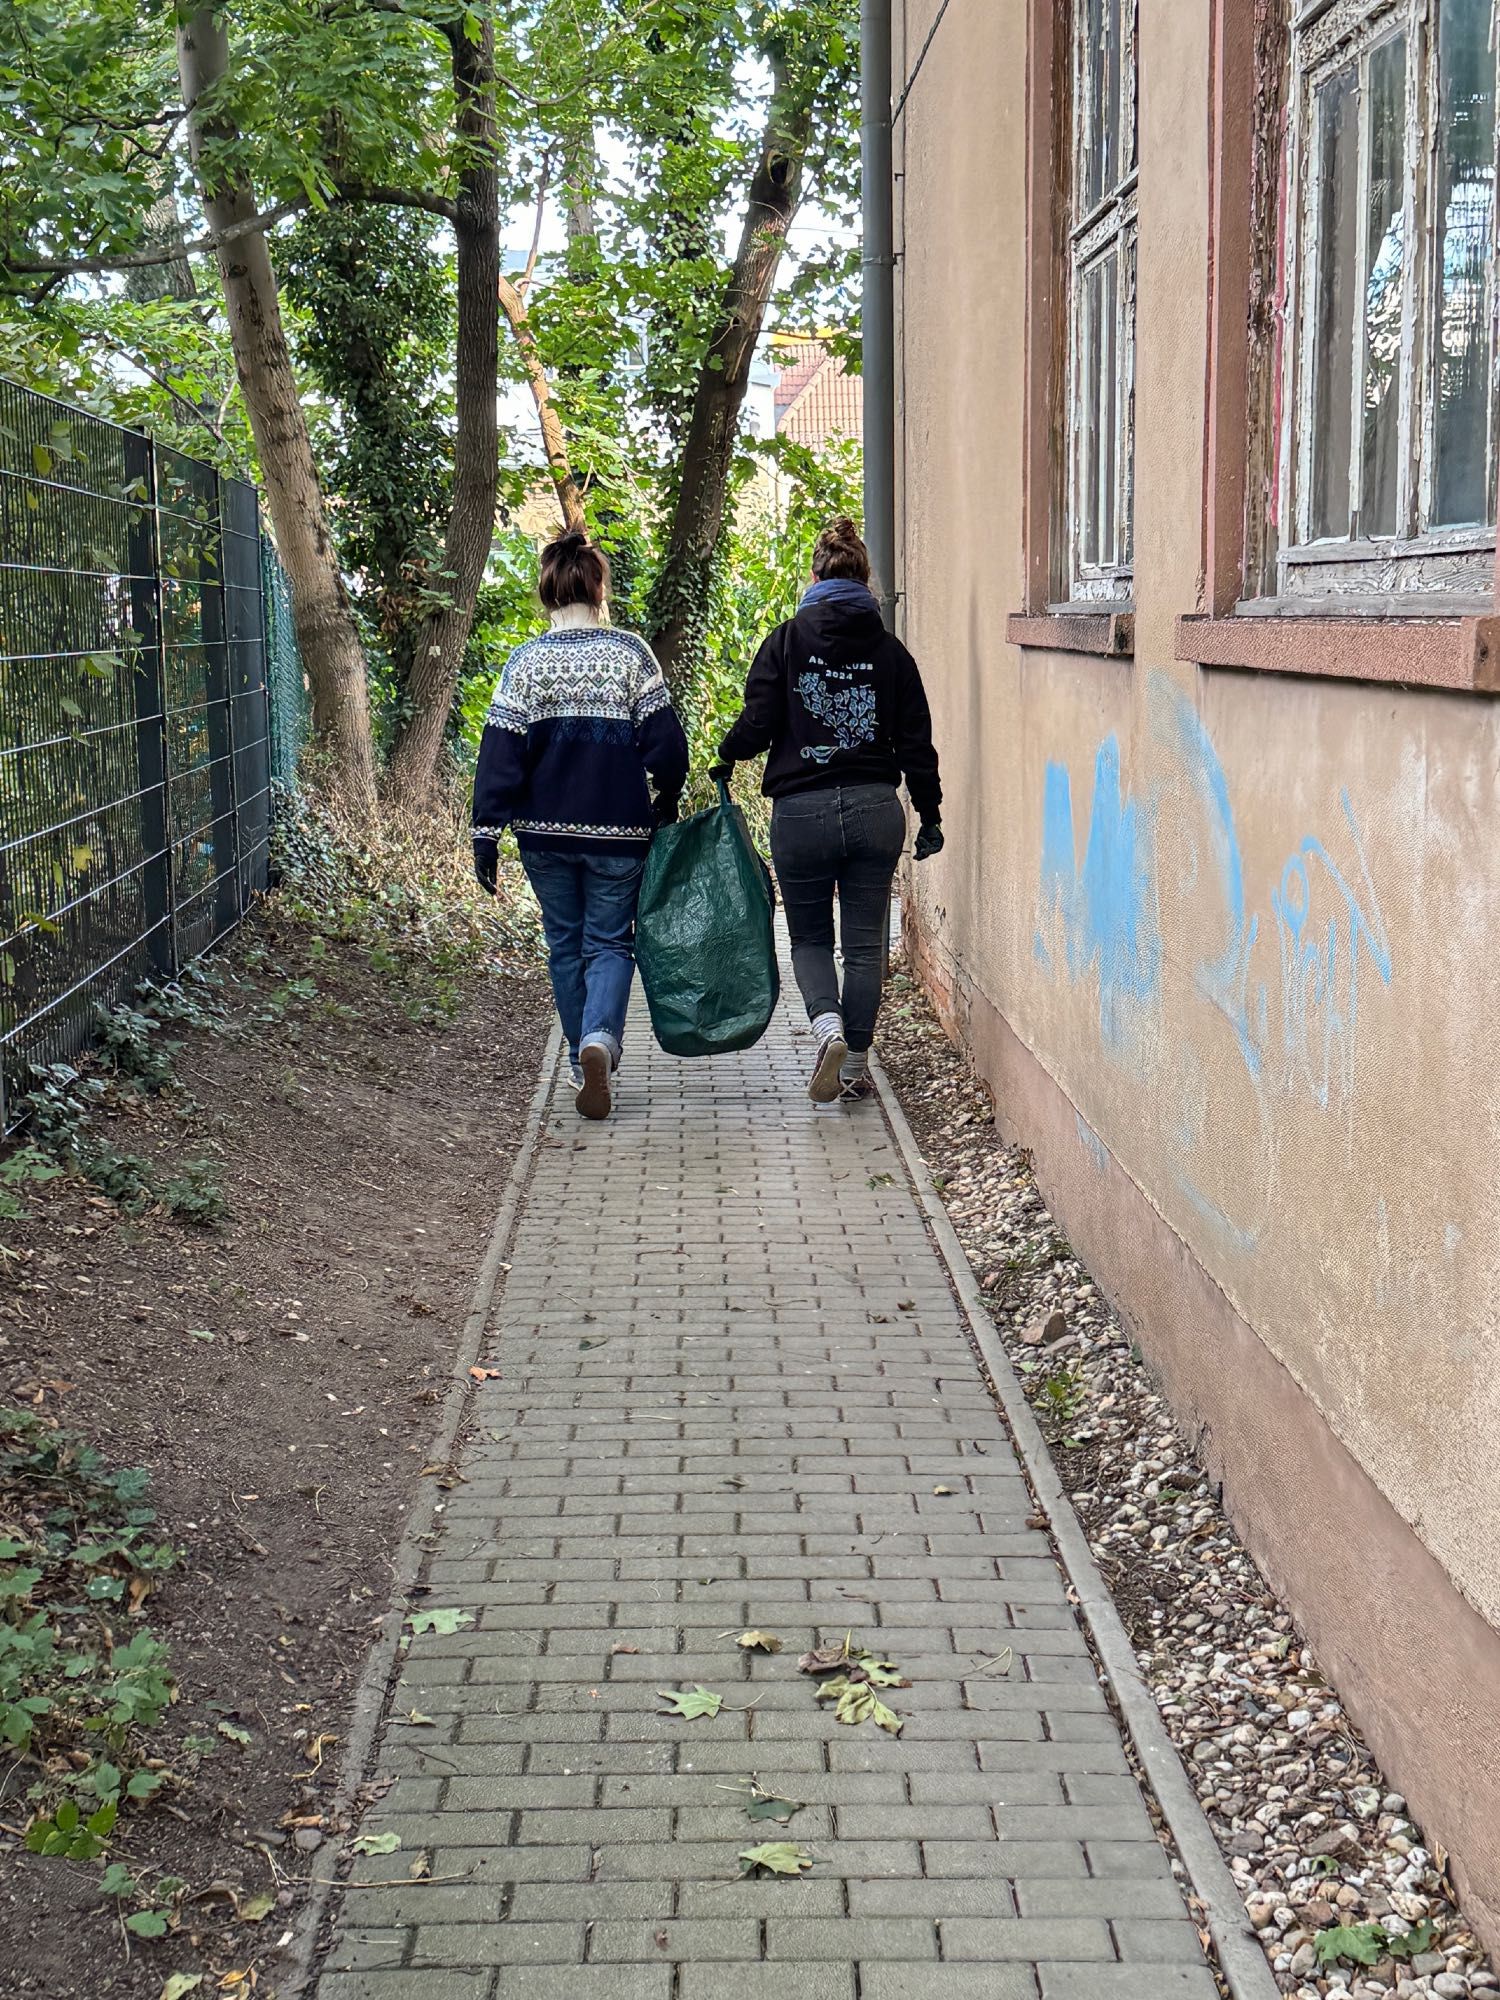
1107	912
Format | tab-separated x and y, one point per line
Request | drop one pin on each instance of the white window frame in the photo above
1098	567
1404	570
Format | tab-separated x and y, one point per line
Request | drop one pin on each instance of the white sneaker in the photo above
824	1086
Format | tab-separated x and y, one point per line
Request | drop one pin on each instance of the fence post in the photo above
220	715
149	681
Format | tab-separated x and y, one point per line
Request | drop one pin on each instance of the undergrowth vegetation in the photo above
82	1677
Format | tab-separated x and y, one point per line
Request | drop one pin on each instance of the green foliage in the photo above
374	303
62	1108
78	1548
1366	1944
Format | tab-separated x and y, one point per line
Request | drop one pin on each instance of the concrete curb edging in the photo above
1241	1961
300	1955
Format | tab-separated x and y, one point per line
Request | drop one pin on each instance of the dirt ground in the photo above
279	1376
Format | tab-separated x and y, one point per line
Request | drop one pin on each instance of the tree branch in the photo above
523	283
138	260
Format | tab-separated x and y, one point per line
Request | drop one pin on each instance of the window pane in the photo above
1126	419
1109	397
1100	138
1086	414
1097	406
1385	258
1336	112
1463	490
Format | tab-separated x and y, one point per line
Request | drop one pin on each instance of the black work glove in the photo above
668	811
929	841
487	865
720	773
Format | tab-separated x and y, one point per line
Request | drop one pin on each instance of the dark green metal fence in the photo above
137	739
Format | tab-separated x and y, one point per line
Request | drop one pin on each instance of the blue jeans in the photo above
588	914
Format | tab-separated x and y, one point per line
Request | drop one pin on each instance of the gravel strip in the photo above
1343	1892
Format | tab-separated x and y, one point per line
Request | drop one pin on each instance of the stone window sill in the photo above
1457	653
1107	632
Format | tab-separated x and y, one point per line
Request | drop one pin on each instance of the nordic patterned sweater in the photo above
580	722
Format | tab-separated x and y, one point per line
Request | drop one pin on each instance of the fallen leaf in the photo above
420	1869
255	1909
691	1704
662	1940
766	1806
623	1646
180	1983
416	1719
480	1373
316	1749
1036	1520
824	1660
777	1857
760	1642
591	1343
234	1733
943	1492
442	1622
376	1843
199	1333
147	1924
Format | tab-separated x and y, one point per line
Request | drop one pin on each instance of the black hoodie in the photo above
836	700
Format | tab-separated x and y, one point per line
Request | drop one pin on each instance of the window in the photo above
1099	505
1386	481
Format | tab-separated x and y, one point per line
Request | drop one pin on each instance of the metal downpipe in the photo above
878	312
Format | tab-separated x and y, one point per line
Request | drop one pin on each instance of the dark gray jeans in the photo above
847	839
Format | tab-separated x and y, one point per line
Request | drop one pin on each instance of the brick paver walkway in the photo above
737	1392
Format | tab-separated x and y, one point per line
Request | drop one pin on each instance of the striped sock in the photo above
826	1026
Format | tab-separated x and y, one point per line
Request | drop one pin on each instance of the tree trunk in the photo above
554	442
440	640
679	597
325	628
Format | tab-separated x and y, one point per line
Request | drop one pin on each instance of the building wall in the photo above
1227	947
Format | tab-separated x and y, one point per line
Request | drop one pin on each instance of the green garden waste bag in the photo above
705	937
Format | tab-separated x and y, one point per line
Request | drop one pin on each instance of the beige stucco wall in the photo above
1264	967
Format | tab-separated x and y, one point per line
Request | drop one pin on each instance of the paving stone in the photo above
1127	1982
948	1982
695	1940
753	1442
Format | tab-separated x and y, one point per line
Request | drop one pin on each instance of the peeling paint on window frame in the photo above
1411	569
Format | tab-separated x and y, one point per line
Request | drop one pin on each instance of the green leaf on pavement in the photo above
442	1622
777	1857
691	1703
765	1805
376	1843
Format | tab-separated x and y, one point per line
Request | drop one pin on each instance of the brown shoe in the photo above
593	1099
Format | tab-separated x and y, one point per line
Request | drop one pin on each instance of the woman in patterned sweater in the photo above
583	757
837	706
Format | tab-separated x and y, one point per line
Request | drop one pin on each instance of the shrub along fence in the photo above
150	692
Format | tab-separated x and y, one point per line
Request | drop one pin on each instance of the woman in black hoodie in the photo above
838	706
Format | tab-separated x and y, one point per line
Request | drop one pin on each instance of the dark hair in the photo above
574	571
840	551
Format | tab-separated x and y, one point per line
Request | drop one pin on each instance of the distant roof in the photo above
815	399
